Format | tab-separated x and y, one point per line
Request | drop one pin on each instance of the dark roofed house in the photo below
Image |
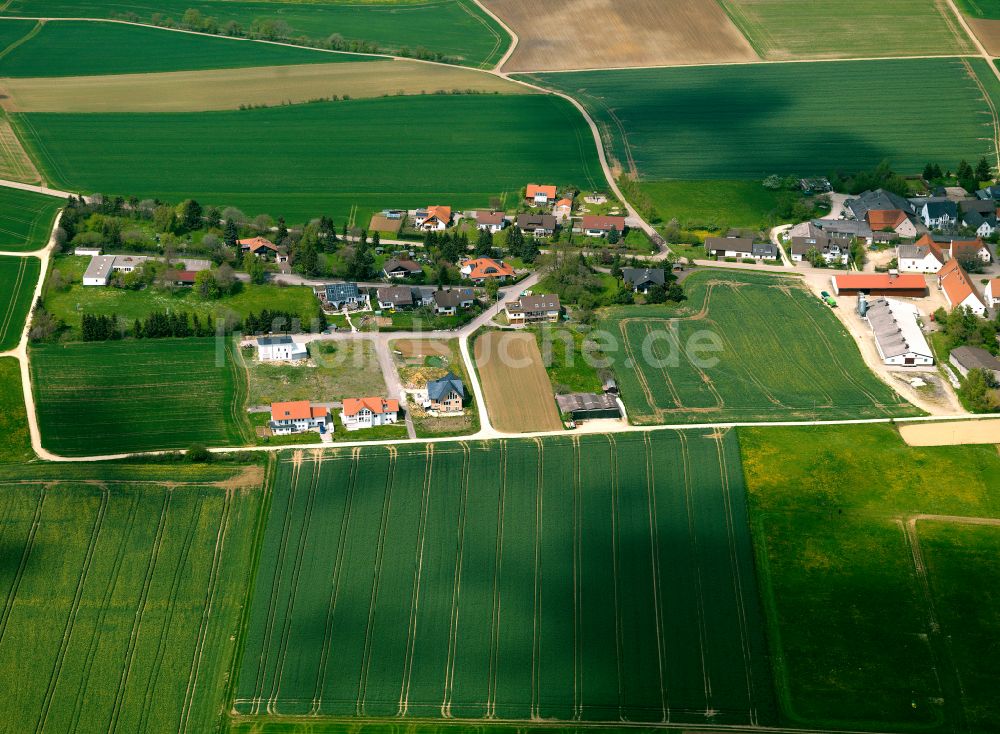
533	310
450	301
539	225
878	199
598	225
339	295
395	296
446	395
490	220
581	406
729	246
401	268
990	192
642	279
974	358
939	214
764	251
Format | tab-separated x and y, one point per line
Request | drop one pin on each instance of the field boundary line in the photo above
654	549
700	597
179	570
514	39
491	681
19	574
615	526
315	462
95	535
22	267
269	620
456	589
577	586
536	640
989	104
411	642
140	611
335	579
97	633
366	659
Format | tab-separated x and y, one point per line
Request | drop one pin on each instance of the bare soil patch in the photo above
15	165
988	33
517	389
422	348
593	34
227	89
949	433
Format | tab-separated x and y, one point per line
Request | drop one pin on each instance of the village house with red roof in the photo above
359	413
297	417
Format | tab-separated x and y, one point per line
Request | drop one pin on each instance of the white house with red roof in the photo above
993	293
259	246
433	218
540	195
563	209
958	289
361	413
482	269
297	417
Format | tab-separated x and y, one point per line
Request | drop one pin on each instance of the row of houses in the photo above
544	225
102	268
357	413
444	302
954	283
738	246
885	212
929	255
478	270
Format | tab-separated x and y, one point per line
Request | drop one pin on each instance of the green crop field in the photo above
879	578
324	158
15	444
743	347
505	581
25	219
986	9
739	203
793	29
121	600
457	29
750	121
84	48
120	397
18	276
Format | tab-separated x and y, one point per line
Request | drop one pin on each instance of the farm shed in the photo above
974	358
910	285
898	336
584	405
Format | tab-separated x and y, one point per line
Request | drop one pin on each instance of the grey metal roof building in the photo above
583	405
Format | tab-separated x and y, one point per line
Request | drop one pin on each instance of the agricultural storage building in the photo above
99	271
584	405
974	358
898	336
909	285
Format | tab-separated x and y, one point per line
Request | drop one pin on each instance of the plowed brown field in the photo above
988	32
590	34
518	393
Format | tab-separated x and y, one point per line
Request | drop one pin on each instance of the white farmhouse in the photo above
898	336
297	416
958	288
280	349
920	258
361	413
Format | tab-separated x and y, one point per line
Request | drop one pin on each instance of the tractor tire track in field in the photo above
22	268
140	612
674	393
96	635
179	572
25	554
74	610
737	579
338	566
615	555
366	659
491	685
654	547
995	120
206	615
699	584
411	634
577	586
258	690
456	588
536	634
316	466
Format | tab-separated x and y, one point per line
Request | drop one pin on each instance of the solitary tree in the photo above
984	171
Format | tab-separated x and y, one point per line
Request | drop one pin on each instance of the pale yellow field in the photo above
224	89
587	34
948	433
517	389
15	165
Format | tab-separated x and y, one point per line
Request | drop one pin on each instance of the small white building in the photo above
898	337
926	258
361	413
297	417
280	349
993	293
99	271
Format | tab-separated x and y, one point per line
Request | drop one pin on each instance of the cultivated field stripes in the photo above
592	578
98	607
18	276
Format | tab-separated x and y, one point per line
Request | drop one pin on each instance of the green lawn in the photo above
118	397
793	29
712	204
75	299
84	49
506	580
18	277
743	347
324	158
458	29
25	219
562	349
849	620
15	444
749	121
337	370
128	595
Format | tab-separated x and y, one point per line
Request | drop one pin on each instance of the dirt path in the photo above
984	431
394	386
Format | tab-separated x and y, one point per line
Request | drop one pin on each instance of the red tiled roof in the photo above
442	213
298	410
879	219
881	281
934	247
352	406
968	248
485	267
605	223
564	202
956	283
484	216
257	243
533	189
